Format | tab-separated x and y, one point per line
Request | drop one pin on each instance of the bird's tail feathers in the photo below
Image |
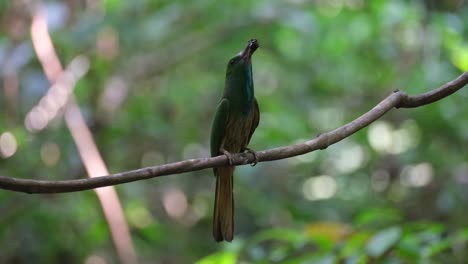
223	219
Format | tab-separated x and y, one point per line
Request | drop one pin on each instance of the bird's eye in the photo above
232	61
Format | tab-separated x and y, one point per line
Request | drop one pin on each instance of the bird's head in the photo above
241	63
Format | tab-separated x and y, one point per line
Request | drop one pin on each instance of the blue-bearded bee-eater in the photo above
236	118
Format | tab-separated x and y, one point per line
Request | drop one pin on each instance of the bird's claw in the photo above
254	154
229	157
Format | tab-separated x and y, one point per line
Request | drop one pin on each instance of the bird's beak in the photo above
251	47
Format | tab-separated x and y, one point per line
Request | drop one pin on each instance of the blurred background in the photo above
144	78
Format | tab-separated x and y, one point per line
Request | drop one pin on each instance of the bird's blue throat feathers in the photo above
249	91
240	90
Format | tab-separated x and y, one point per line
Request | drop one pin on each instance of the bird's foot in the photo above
253	153
228	155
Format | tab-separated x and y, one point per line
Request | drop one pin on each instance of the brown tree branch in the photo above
397	99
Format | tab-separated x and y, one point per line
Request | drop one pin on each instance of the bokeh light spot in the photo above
384	138
349	158
50	154
417	176
8	145
107	44
320	187
379	135
94	259
139	216
175	203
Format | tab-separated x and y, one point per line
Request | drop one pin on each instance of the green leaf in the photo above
355	244
436	248
460	57
441	245
383	241
409	248
277	234
223	257
378	216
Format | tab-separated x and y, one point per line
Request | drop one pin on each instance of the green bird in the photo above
237	116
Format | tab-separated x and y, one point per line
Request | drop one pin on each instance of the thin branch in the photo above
87	149
434	95
397	99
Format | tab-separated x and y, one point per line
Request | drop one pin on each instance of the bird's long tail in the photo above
223	219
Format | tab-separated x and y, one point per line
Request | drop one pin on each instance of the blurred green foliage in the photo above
392	193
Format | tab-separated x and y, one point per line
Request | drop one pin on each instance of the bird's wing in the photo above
256	119
219	125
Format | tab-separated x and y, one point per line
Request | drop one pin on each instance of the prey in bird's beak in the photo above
251	47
